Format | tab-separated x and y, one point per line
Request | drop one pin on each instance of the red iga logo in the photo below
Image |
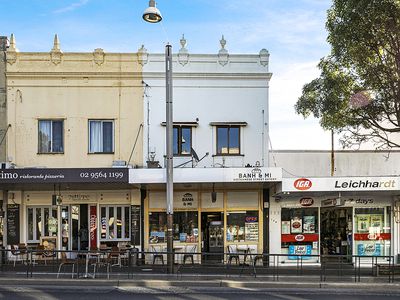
306	201
302	184
299	237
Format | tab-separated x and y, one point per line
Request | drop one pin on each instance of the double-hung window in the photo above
228	140
101	136
182	141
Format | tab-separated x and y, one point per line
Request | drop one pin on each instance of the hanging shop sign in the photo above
306	201
189	175
65	175
93	227
340	184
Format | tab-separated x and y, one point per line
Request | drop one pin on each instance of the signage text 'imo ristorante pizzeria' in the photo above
67	175
340	184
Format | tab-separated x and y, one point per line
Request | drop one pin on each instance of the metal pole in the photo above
169	160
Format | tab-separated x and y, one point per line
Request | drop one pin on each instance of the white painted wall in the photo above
205	91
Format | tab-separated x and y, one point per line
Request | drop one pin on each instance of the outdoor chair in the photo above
115	256
156	254
190	251
102	261
19	251
66	262
232	254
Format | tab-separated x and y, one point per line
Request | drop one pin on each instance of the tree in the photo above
358	91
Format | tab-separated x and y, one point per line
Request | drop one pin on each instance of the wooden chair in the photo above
66	262
190	251
115	256
19	250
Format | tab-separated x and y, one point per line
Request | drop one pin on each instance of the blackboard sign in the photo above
135	225
13	224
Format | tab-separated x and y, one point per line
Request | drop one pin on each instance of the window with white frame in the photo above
42	221
115	222
51	138
101	136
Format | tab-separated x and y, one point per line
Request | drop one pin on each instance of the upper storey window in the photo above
182	140
101	136
228	140
51	139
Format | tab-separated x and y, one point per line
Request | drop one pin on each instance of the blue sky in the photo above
293	31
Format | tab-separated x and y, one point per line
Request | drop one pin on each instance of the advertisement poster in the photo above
251	228
309	224
285	227
376	221
297	251
363	222
369	249
296	225
93	227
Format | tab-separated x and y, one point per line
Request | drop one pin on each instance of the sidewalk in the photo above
216	281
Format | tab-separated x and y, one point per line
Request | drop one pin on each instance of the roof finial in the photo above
222	42
13	46
56	45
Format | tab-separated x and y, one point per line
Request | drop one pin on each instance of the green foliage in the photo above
365	56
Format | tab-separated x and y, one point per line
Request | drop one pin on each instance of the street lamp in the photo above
153	15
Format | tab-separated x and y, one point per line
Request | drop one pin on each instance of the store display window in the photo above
299	228
185	228
372	232
115	222
42	221
242	226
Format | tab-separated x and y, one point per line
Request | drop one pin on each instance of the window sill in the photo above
41	153
90	153
216	155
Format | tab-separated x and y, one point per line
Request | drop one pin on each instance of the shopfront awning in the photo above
199	175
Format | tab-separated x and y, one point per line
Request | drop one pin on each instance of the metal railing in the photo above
129	263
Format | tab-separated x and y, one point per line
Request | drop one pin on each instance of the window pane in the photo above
108	137
186	140
234	140
222	140
119	222
95	136
175	140
186	227
57	136
38	223
157	227
111	219
44	136
127	223
46	221
30	223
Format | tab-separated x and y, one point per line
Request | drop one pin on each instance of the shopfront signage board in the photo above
340	184
64	175
193	175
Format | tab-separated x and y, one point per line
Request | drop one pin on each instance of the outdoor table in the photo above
88	255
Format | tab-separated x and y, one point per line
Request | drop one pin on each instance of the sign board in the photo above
340	184
66	175
13	226
93	227
135	224
188	175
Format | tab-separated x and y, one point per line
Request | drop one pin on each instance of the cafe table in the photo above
88	255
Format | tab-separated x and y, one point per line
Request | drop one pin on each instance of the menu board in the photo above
13	224
251	228
135	224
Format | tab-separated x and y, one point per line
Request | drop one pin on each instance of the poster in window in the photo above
296	225
251	228
376	221
285	227
308	224
363	223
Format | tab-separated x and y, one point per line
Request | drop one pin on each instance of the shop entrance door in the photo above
212	229
74	228
336	230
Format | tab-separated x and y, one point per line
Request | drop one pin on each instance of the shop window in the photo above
185	228
372	231
299	228
182	140
242	226
51	136
228	140
101	136
42	221
115	222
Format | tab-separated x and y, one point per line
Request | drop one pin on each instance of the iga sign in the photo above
340	184
306	201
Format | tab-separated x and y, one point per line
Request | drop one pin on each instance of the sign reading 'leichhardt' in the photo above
340	184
